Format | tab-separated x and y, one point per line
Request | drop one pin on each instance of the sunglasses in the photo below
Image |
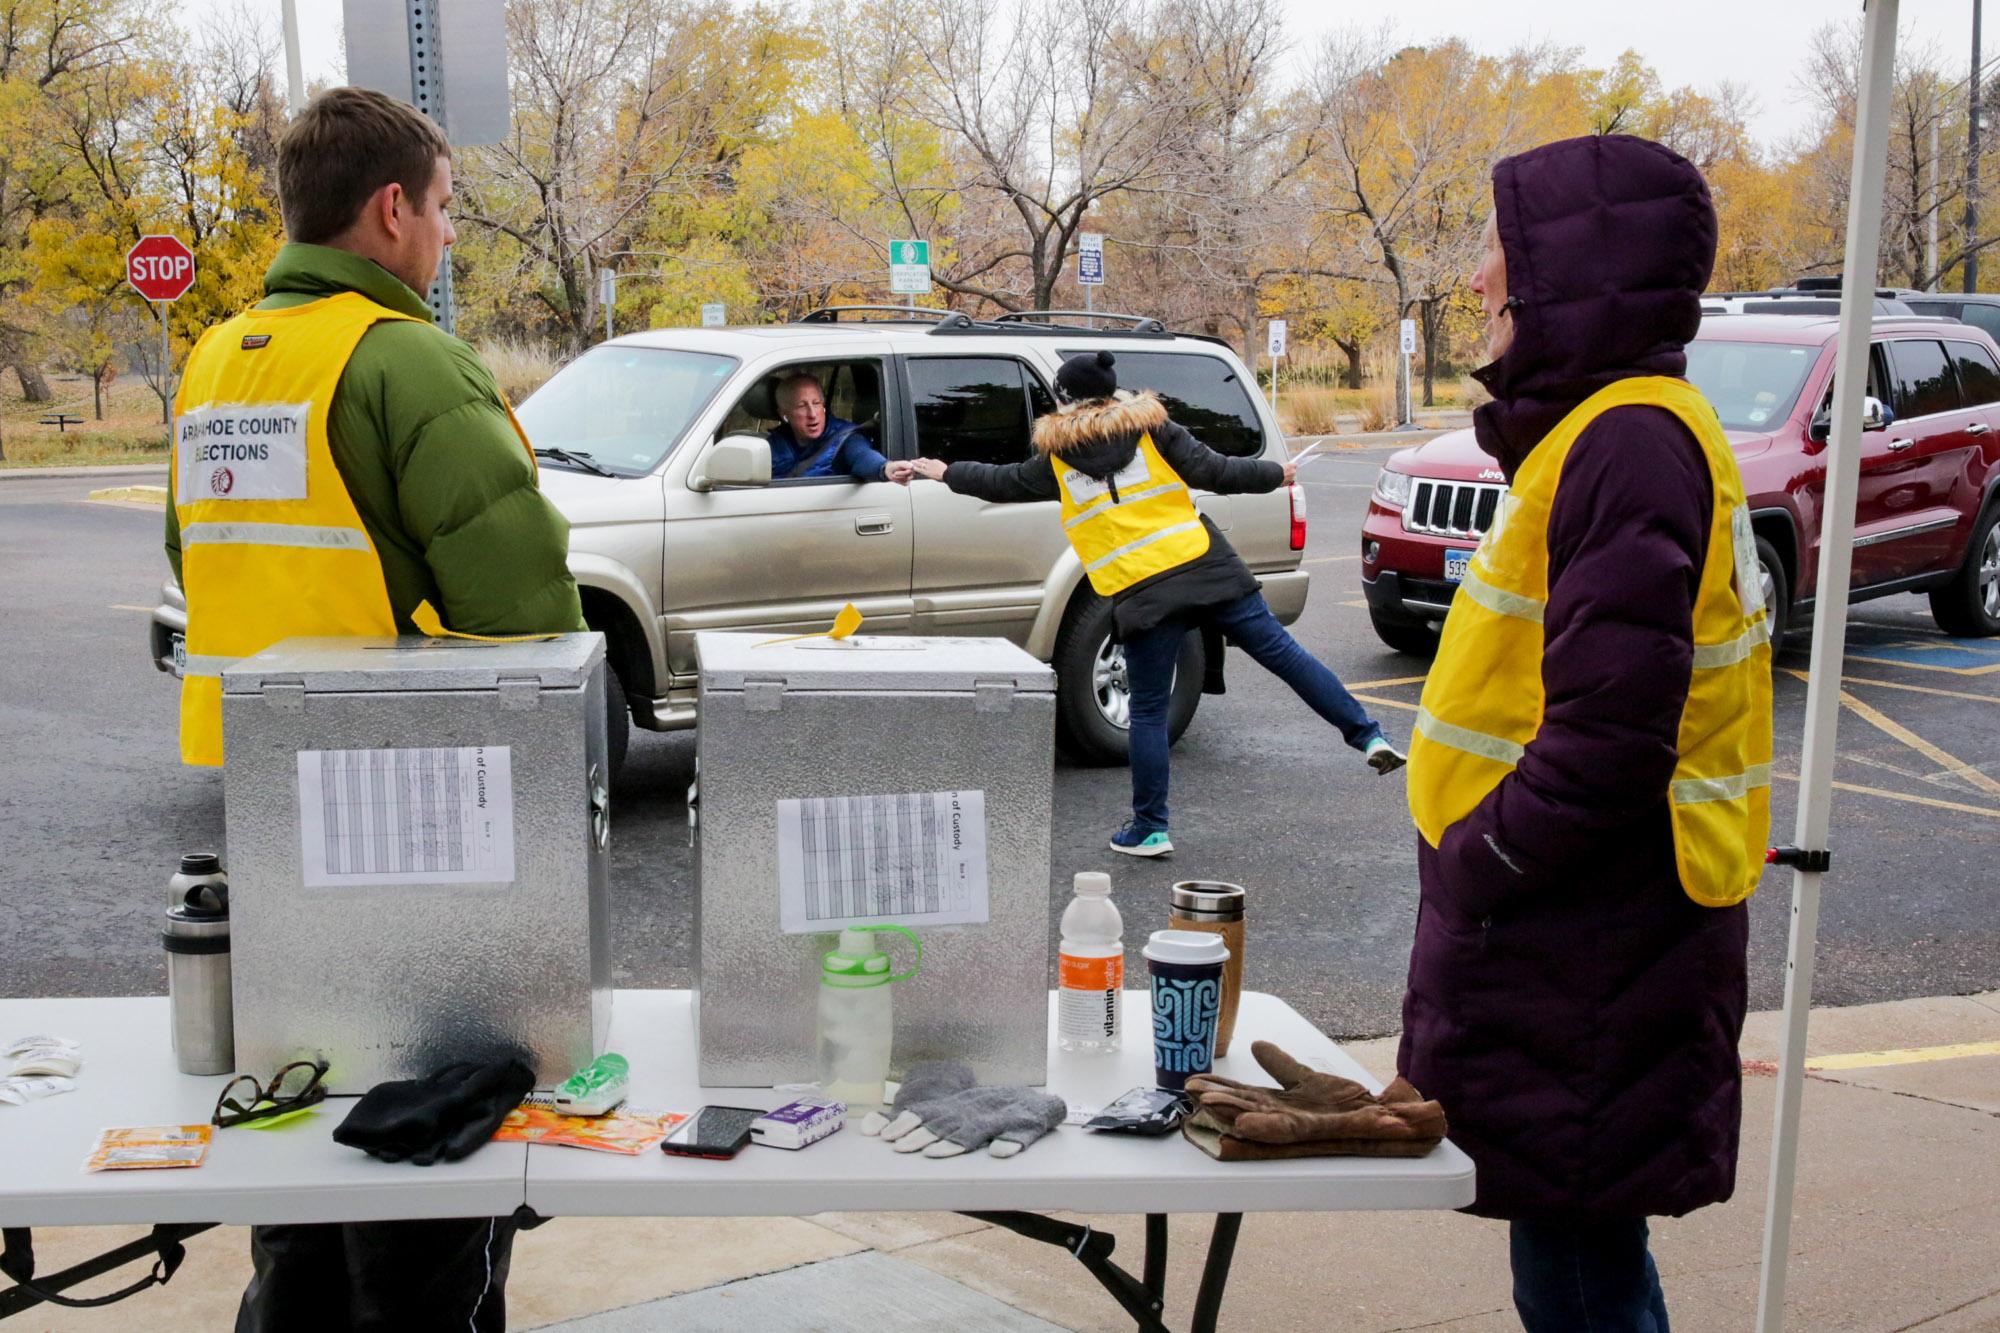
293	1088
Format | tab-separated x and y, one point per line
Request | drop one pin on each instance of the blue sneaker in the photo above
1384	757
1135	841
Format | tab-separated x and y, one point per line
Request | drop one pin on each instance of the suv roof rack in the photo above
1134	323
902	314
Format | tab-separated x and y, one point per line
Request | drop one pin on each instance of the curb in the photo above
107	470
152	495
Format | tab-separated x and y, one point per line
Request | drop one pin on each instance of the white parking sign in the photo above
1277	343
910	267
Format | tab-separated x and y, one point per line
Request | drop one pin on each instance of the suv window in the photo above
1982	316
1978	376
1201	393
624	407
975	408
1924	379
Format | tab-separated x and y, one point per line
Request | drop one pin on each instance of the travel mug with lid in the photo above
197	868
1185	968
198	991
1215	907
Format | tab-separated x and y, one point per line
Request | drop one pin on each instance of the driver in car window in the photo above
815	443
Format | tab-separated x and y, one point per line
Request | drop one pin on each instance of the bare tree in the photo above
1049	110
616	103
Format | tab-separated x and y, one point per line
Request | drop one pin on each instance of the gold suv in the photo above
653	445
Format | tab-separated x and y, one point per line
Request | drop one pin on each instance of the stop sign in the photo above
160	268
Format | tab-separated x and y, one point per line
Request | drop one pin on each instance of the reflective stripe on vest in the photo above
271	544
1132	526
1482	704
275	534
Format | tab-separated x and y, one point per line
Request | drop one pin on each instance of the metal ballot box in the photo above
877	779
416	833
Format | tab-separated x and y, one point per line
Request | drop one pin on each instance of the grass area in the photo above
129	433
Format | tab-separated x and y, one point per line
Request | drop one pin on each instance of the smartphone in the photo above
713	1131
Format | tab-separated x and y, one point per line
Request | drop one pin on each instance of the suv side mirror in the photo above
735	460
1875	415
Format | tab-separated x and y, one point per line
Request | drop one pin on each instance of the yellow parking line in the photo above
1385	703
1890	727
1908	1056
1914	689
1926	666
1930	801
1383	684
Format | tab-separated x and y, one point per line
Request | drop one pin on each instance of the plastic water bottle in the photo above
1091	967
856	1019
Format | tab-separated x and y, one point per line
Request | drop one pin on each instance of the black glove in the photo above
447	1114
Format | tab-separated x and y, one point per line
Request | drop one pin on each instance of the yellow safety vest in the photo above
271	545
1482	705
1133	525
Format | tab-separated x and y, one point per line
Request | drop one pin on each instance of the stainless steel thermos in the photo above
1210	905
197	944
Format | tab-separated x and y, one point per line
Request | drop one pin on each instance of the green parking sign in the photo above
910	267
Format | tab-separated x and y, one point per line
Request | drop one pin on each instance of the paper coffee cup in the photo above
1185	970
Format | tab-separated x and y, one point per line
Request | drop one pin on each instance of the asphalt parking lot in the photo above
94	806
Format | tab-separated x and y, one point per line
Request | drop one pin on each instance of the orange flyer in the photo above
150	1148
625	1131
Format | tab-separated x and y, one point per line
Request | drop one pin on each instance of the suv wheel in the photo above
1413	640
1093	696
1969	606
617	720
1777	594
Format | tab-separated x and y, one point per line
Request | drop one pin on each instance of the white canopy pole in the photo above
1836	557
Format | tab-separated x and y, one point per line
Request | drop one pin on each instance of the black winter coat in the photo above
1099	439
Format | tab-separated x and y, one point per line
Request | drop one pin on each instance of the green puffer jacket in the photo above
421	438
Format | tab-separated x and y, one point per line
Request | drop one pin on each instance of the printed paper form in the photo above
914	859
415	816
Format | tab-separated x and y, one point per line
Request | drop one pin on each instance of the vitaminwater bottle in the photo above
1091	967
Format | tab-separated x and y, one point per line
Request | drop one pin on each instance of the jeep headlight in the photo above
1392	489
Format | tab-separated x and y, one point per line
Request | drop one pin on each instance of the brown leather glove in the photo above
1309	1114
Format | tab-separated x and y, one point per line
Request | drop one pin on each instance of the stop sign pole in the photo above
161	269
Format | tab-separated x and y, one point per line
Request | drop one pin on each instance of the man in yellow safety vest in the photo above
344	467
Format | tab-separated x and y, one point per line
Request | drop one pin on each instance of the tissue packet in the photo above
798	1123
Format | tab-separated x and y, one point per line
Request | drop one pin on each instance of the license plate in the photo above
1455	565
180	654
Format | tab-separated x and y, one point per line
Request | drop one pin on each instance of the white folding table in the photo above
298	1174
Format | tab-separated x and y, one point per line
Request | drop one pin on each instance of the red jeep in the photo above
1928	516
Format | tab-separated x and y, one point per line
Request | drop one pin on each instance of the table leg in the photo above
1215	1272
1092	1249
1156	1259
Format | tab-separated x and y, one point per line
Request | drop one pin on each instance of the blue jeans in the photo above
1249	624
1598	1276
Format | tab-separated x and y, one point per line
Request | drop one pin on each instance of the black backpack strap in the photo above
17	1261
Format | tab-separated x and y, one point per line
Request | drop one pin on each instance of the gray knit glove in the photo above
924	1085
1001	1120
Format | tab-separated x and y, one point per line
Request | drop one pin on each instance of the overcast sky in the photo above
1758	43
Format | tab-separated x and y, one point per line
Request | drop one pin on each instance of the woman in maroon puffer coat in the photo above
1573	1009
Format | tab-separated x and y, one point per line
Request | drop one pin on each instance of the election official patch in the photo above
242	451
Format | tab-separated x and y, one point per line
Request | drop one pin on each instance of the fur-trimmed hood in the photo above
1101	434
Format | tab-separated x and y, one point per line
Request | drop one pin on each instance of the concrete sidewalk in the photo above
1897	1227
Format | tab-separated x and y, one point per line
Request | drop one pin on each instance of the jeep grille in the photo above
1451	508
